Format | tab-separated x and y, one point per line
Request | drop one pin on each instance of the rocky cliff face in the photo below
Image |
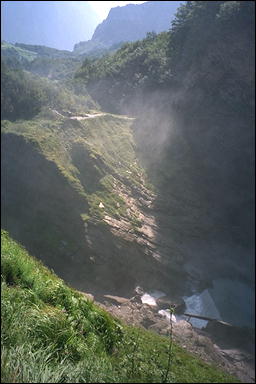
83	206
129	23
133	21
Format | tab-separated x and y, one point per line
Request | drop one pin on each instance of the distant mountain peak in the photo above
131	22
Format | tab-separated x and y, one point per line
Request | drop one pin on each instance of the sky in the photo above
56	24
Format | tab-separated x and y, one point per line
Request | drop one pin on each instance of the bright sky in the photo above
103	7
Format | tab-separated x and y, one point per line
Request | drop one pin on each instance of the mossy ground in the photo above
52	333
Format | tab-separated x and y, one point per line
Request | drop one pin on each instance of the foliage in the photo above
217	71
23	95
58	68
210	124
101	154
52	333
190	53
94	48
15	56
139	66
199	27
42	50
20	97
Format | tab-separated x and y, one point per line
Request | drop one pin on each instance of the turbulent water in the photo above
150	298
224	301
235	301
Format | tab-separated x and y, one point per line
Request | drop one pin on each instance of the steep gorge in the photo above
89	221
192	134
194	130
161	197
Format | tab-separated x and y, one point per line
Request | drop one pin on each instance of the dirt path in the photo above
87	115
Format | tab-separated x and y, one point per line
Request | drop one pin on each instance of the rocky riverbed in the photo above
230	348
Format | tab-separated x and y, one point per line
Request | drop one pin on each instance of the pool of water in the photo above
227	300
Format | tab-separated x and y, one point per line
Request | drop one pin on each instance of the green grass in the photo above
52	333
12	50
105	152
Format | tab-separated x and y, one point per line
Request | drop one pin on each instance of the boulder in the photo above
228	336
166	302
116	300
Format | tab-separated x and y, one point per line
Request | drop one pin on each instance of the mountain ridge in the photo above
133	22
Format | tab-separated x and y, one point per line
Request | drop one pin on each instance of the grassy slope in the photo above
20	53
52	333
69	167
92	155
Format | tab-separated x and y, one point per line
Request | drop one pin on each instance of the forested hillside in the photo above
134	70
20	97
24	95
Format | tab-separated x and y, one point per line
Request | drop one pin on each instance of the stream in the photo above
227	300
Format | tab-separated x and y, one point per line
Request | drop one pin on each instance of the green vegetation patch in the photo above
94	155
140	66
137	64
52	333
25	95
21	54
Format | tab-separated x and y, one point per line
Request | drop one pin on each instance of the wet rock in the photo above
136	299
161	326
165	302
117	300
139	291
183	330
231	337
147	322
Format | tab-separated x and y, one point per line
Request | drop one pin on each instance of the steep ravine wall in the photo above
204	175
41	210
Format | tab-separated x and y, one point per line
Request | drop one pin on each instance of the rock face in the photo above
129	23
133	21
179	304
115	248
205	171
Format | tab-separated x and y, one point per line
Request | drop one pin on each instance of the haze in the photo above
56	24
